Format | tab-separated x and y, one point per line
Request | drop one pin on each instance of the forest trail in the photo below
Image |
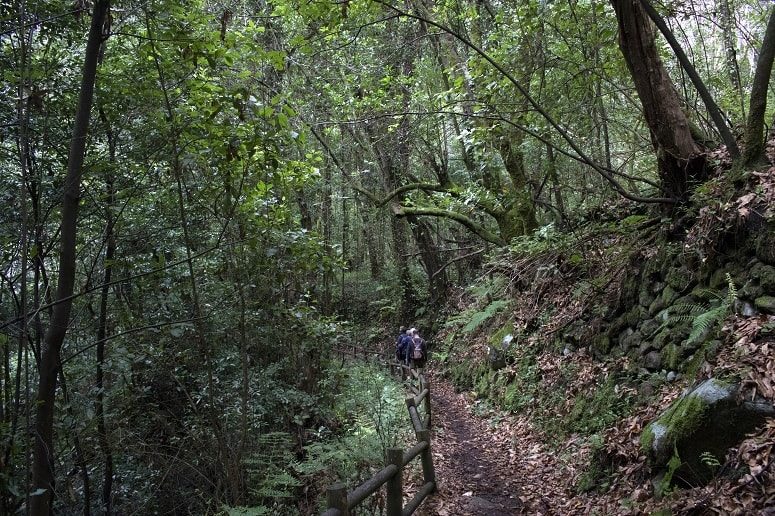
476	464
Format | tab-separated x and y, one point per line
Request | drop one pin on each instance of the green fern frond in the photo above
704	322
479	317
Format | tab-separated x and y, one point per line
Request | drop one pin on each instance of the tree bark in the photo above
43	455
102	325
754	130
678	155
707	98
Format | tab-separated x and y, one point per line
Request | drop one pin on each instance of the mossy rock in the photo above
649	327
600	346
672	356
718	280
657	306
669	295
668	336
705	420
679	278
751	290
633	340
765	275
765	304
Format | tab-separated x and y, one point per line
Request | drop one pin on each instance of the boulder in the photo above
707	419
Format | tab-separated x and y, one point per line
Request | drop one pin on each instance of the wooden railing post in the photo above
337	498
395	491
428	473
427	404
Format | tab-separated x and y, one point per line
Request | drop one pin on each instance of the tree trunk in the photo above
678	155
102	325
43	456
754	130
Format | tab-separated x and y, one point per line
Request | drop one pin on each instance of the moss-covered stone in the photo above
600	345
671	354
649	327
657	306
705	420
679	278
669	295
765	304
765	275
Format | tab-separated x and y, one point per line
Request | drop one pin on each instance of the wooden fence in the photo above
340	502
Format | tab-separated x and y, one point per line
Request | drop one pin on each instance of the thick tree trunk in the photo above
677	153
43	457
754	130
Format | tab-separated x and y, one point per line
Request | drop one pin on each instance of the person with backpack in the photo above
418	350
401	344
406	344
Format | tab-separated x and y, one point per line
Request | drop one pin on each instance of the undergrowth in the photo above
366	417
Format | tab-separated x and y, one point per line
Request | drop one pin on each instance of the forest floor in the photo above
488	465
491	463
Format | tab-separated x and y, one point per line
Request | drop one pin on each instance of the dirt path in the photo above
475	463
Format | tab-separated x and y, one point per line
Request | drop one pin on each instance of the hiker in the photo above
406	344
401	344
418	350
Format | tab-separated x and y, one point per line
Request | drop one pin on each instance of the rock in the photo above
649	327
672	376
500	343
667	336
672	355
633	340
765	304
646	389
600	346
765	275
707	419
656	306
645	298
653	361
718	280
669	295
765	244
751	290
745	308
679	278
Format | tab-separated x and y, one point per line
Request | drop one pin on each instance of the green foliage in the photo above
596	472
665	485
479	317
703	317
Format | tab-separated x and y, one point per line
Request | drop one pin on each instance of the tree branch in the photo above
476	228
523	91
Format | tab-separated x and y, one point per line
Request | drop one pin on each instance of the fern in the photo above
479	317
702	316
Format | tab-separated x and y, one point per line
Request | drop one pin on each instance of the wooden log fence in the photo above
340	502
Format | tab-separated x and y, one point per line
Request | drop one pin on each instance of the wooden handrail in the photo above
340	502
